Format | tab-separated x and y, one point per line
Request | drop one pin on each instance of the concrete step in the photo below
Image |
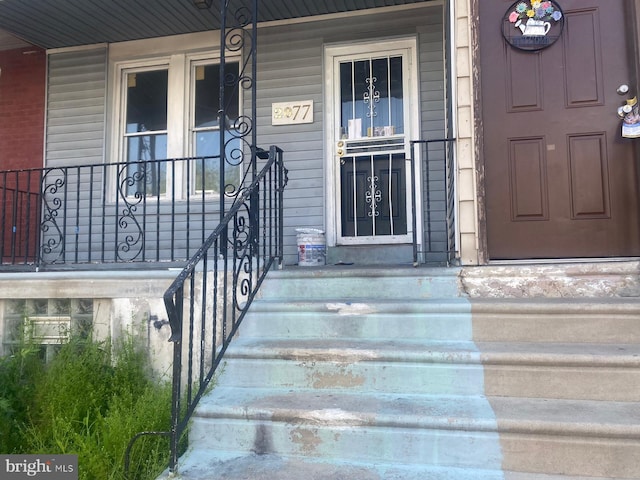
597	279
543	370
597	439
442	431
387	429
433	412
277	467
562	371
353	283
201	465
573	320
442	319
609	320
382	366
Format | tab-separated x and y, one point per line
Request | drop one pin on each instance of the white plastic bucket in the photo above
312	248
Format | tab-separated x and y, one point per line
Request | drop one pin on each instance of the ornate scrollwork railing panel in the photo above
132	182
54	183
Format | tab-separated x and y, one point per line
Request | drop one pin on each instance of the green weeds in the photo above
90	400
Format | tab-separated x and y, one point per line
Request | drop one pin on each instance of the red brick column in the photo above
22	111
22	106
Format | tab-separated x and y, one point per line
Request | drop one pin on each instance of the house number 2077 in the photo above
292	113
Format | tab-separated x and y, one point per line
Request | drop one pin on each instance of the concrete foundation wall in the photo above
124	303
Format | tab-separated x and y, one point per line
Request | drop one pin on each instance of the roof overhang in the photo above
67	23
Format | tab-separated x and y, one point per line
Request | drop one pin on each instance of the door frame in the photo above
332	188
633	26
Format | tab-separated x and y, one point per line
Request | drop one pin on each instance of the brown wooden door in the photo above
560	181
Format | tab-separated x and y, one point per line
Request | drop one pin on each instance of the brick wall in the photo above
22	102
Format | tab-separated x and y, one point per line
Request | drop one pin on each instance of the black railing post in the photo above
222	119
414	226
3	216
282	180
40	217
449	165
174	308
254	214
14	220
254	89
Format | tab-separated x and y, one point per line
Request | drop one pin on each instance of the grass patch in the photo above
90	400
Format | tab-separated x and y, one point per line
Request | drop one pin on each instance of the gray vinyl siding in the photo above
432	108
116	228
76	103
290	67
451	170
75	137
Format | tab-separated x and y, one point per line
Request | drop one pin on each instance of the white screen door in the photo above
373	101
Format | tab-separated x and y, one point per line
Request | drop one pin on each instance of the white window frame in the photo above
124	72
180	110
195	61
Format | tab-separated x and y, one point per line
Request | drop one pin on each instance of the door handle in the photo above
623	89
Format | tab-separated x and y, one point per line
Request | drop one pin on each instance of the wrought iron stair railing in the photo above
209	298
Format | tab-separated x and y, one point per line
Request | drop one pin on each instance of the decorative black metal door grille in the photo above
371	147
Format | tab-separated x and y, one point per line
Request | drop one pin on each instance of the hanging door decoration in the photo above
532	25
630	114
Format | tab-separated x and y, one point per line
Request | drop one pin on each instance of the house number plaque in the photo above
292	113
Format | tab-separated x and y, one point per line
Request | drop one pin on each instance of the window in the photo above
145	136
206	128
371	91
170	111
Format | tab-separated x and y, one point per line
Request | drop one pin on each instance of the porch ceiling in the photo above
65	23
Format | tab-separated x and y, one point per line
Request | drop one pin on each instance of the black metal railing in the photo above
131	212
209	298
438	228
19	216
